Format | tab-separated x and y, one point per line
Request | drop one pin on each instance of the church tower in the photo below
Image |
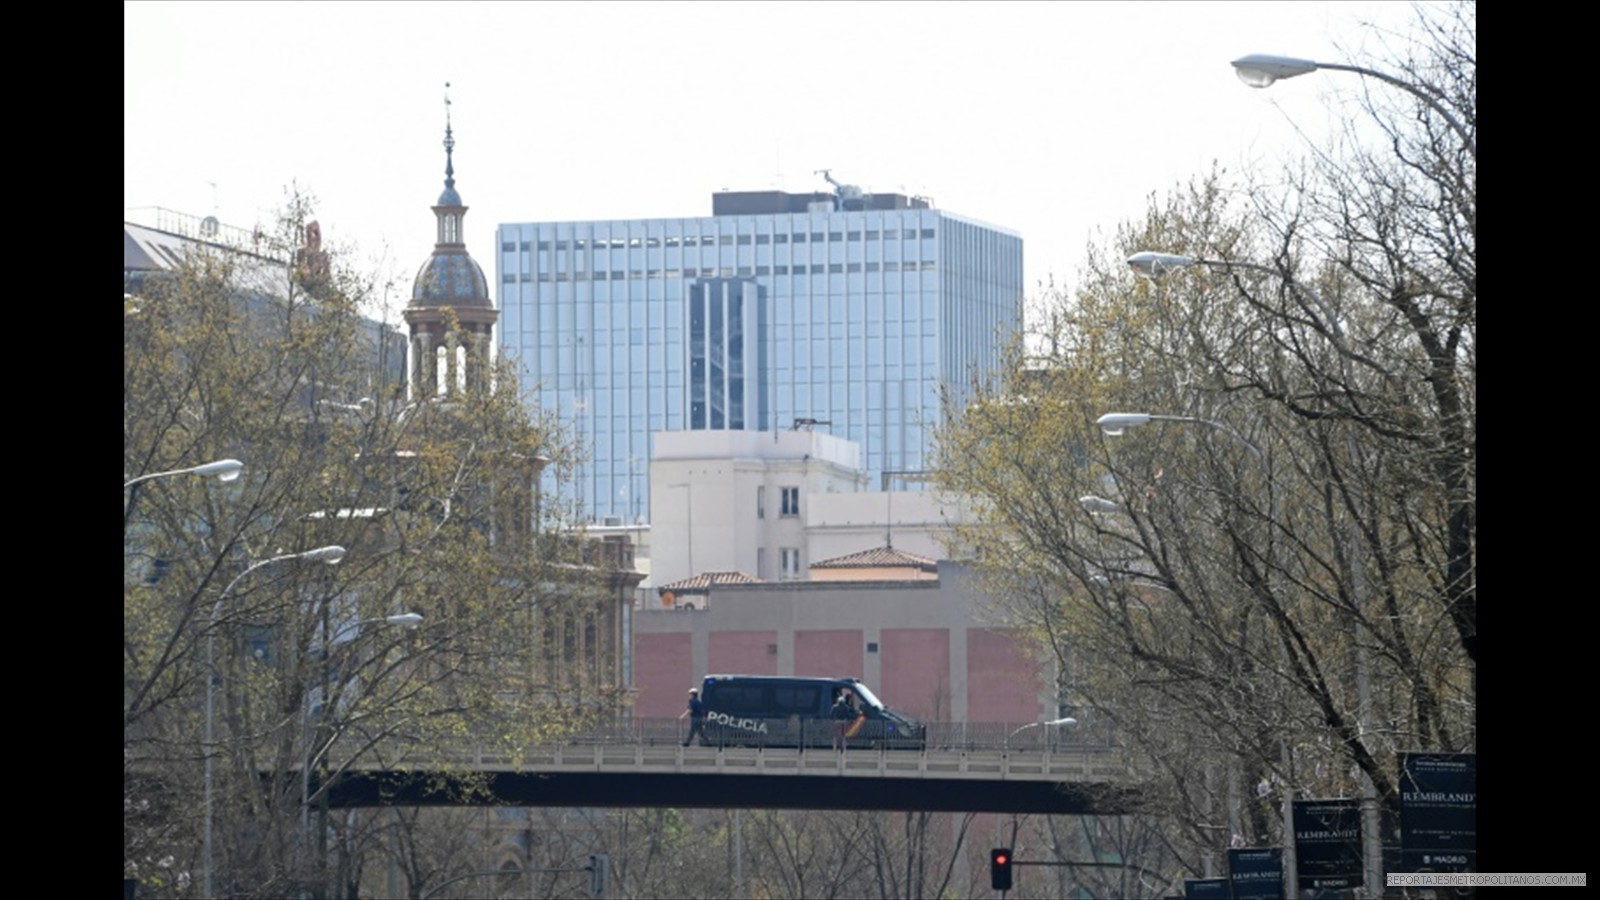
450	316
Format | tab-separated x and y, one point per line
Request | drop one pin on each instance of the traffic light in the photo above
1000	868
599	873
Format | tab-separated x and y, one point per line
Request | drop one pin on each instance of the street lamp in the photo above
1153	265
1067	720
222	469
1094	504
1260	70
330	555
1114	424
408	621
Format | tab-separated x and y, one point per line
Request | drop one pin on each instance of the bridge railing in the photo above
1021	737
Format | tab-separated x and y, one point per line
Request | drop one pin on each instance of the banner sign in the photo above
1439	812
1205	889
1256	874
1327	843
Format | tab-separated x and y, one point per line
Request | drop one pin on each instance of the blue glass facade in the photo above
856	318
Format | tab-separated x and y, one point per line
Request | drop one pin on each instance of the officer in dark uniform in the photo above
697	717
844	712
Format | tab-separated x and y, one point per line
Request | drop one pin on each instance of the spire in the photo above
449	144
449	197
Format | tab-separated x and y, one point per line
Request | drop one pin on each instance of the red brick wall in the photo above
661	673
1002	678
742	653
829	654
915	663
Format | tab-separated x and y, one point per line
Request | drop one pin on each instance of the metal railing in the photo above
1021	737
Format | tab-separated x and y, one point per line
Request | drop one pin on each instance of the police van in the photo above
781	711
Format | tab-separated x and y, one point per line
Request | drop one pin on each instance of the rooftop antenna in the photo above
849	196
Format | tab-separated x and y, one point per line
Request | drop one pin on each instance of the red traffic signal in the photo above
1000	868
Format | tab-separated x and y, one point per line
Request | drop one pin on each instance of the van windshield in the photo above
866	695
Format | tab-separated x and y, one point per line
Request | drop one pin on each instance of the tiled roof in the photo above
708	580
877	557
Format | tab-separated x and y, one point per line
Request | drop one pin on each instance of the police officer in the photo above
697	717
844	712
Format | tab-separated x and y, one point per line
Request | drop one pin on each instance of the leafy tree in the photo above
237	354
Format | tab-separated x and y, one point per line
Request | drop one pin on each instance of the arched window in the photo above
441	371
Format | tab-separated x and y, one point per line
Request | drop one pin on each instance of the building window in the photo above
791	501
790	559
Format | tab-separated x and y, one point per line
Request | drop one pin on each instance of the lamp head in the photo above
1113	424
223	469
330	554
1151	264
405	620
1260	70
1096	504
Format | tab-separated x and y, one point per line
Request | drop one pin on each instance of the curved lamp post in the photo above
1260	70
1153	264
1114	424
330	555
408	621
222	469
1094	504
1068	720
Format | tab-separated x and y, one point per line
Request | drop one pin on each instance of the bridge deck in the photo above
983	765
1017	781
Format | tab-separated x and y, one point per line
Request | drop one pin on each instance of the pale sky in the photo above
1056	120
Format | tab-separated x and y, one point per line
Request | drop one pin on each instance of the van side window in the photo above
737	698
798	699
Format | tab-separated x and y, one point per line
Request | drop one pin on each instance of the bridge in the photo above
964	768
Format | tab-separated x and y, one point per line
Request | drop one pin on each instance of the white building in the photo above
770	503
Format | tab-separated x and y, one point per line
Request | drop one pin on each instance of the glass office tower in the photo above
778	308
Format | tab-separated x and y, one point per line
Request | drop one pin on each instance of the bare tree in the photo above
1272	588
